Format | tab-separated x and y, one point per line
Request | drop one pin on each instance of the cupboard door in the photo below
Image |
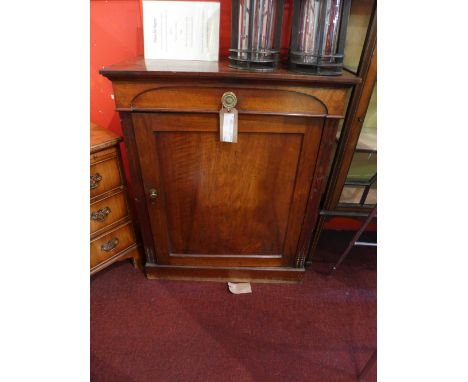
226	204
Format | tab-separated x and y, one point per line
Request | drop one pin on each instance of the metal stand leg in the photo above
368	366
355	238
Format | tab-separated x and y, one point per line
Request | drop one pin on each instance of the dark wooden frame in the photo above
357	108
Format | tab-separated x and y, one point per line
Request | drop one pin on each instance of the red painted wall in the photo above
117	34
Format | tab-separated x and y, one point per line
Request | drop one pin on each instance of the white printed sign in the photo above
181	30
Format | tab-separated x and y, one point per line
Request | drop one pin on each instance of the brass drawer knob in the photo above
153	193
95	179
110	245
229	100
100	215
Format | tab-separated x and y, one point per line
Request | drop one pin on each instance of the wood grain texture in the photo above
123	234
318	185
101	138
208	185
227	199
110	174
139	192
105	153
132	253
358	103
127	93
140	68
203	98
116	204
109	195
219	274
226	210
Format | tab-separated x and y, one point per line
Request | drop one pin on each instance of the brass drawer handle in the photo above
101	215
95	179
229	100
110	245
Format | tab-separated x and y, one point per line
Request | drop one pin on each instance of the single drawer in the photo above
104	176
107	211
111	244
208	99
99	156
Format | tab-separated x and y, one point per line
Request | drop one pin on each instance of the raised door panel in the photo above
226	204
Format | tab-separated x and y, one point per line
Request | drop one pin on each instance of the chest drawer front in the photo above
101	155
107	212
104	176
111	244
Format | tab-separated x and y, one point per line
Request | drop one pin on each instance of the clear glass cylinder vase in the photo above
318	35
256	32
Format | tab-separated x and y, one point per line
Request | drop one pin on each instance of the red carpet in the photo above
322	330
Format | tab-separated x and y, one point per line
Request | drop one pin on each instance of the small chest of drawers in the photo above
112	231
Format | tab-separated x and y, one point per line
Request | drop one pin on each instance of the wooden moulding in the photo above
244	274
253	98
139	69
351	131
139	83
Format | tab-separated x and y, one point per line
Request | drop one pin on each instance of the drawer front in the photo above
104	176
203	98
107	211
101	155
111	244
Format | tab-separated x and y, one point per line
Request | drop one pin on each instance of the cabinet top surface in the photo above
101	138
140	67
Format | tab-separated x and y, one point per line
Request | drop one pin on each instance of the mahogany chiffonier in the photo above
112	234
212	210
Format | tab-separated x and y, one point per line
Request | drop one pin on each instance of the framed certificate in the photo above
181	30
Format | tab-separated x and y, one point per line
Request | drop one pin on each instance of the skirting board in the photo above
256	275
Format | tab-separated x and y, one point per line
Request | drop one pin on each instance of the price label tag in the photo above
228	125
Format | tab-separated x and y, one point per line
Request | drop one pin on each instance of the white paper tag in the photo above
239	288
228	127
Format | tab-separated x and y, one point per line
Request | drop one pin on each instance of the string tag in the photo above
228	125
